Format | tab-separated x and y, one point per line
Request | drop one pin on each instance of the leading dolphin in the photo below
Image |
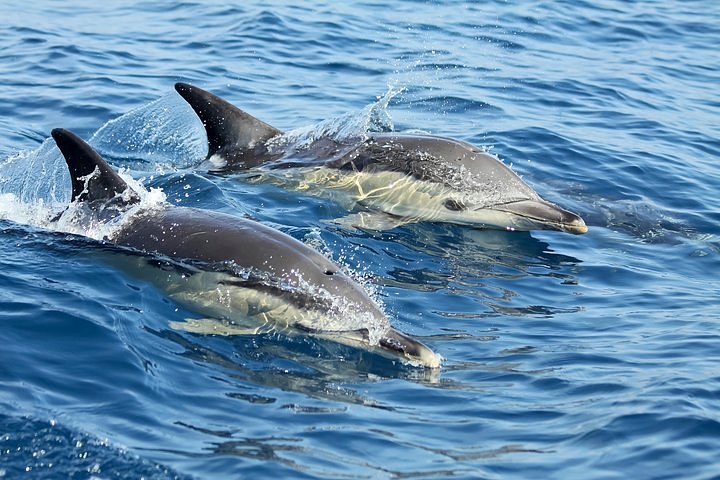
399	178
245	276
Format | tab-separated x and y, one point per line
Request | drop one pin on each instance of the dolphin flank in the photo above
242	276
396	178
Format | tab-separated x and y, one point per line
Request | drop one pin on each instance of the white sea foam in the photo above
35	190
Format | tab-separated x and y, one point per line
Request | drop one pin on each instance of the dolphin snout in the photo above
410	348
575	226
545	215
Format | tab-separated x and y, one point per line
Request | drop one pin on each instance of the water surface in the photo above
565	357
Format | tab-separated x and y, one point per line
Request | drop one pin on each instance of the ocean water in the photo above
594	356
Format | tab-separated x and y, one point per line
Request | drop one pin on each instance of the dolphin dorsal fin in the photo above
228	128
92	178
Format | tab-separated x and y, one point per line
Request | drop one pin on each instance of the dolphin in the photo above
243	276
398	178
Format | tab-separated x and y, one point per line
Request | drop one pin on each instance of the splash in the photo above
38	176
77	218
346	128
353	265
15	210
163	134
35	190
34	186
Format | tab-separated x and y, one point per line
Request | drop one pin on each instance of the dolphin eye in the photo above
329	272
454	205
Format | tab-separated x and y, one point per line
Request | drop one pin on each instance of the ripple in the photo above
572	357
34	447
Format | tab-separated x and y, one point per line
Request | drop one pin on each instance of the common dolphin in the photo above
399	178
245	276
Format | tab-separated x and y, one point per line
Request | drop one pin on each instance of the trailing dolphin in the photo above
398	178
244	276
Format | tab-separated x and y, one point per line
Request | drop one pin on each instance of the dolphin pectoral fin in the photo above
413	351
351	338
213	326
370	221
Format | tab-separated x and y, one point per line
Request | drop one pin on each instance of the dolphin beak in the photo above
392	344
545	215
414	351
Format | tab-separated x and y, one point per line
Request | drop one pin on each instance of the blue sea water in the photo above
594	356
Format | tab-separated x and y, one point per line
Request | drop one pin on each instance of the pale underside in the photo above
391	198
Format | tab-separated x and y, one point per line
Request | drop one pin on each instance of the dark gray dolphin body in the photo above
246	276
407	178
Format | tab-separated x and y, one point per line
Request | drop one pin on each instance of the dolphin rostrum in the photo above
398	178
245	277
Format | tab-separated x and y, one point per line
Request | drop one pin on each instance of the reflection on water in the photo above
480	272
312	367
278	449
484	252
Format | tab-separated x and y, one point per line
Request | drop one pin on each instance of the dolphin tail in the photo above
228	128
92	178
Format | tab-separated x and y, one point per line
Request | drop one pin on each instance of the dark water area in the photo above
593	356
